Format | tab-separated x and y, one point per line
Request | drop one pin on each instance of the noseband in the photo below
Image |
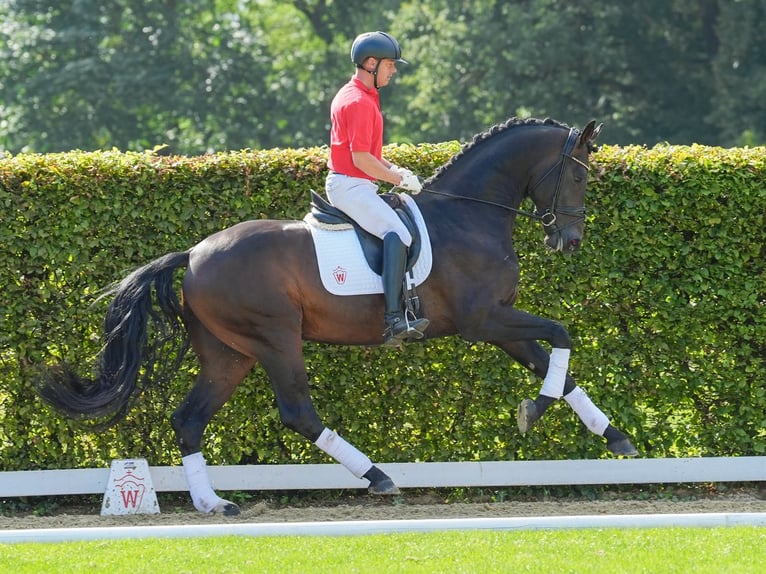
547	217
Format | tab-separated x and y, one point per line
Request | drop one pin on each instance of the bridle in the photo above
547	217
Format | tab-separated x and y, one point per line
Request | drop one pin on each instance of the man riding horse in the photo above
356	162
253	293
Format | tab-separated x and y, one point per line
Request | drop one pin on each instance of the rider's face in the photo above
386	70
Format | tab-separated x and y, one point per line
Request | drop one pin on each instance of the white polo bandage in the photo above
349	456
202	494
558	364
590	414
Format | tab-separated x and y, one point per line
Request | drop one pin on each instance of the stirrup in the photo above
401	330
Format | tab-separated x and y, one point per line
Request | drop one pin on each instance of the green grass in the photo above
739	550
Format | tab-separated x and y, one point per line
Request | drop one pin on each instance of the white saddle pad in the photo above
342	265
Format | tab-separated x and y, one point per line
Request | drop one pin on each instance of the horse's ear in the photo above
590	132
597	131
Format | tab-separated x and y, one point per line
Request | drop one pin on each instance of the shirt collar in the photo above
362	85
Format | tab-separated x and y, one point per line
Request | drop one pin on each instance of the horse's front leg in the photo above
517	333
531	355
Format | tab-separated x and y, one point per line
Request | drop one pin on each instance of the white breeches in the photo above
358	198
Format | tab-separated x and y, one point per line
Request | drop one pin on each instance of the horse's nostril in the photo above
574	242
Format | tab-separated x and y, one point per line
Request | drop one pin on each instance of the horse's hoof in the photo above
226	508
385	487
622	447
526	416
380	482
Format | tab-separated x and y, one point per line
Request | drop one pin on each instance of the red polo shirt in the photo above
357	125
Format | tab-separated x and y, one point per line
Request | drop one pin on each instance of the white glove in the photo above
400	170
410	181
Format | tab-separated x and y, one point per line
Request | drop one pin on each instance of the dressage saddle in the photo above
372	247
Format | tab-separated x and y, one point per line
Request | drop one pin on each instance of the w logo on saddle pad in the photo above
350	259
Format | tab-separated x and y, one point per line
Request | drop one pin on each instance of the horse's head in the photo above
541	159
559	191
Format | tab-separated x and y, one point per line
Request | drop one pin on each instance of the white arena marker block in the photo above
129	489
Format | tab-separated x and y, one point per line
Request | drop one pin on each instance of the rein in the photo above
484	201
547	217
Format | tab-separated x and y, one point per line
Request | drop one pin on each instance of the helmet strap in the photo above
373	72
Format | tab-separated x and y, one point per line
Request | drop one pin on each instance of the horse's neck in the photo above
457	207
499	183
495	170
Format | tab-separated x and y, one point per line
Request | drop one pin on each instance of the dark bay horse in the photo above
252	293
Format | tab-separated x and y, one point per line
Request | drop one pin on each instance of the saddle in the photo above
372	247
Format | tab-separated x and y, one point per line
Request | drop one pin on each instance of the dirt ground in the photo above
408	506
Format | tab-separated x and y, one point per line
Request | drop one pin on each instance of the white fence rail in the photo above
407	475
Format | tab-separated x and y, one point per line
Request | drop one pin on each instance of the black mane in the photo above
485	135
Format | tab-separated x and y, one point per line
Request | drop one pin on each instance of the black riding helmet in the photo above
376	45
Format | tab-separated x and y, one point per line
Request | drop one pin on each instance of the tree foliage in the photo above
212	75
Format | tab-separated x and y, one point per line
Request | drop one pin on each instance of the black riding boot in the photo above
398	328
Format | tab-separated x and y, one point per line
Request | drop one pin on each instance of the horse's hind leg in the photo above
222	369
557	383
289	380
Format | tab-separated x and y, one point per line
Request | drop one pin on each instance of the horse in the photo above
251	294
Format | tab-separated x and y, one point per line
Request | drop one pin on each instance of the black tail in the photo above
126	348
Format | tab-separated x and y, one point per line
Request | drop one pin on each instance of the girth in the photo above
372	247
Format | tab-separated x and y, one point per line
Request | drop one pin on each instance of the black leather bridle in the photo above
548	217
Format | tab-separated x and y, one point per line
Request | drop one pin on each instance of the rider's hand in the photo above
397	169
410	181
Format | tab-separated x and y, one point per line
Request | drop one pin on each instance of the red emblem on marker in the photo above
340	275
132	489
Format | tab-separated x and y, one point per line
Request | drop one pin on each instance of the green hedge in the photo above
664	303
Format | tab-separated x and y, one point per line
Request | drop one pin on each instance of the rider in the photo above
356	162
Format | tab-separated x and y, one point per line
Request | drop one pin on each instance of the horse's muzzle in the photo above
562	241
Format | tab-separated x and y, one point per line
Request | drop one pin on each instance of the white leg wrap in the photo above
590	414
349	456
203	496
553	384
